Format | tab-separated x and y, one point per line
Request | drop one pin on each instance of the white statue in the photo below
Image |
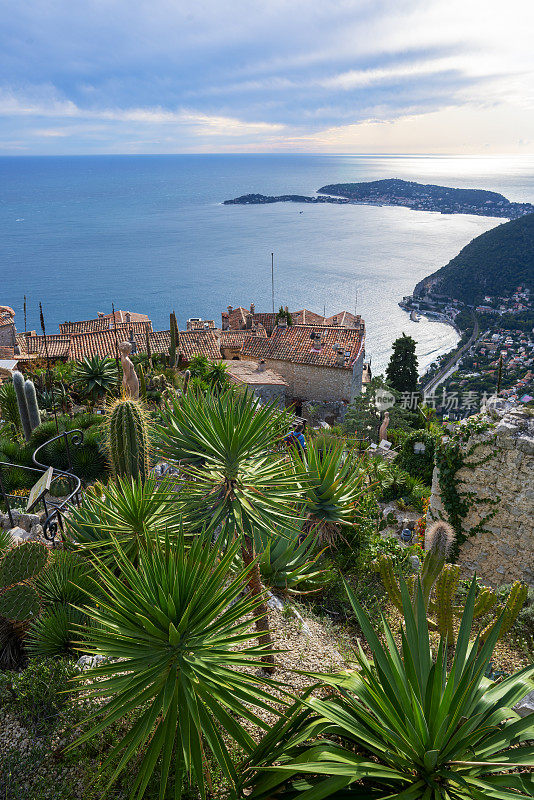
130	381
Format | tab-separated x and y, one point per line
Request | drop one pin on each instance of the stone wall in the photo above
504	551
308	382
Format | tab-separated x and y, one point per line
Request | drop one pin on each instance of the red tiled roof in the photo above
236	338
160	341
308	344
195	343
236	318
306	317
102	324
345	319
56	345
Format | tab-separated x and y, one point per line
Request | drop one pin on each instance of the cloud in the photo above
278	75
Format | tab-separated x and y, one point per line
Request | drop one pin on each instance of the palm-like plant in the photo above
182	633
95	377
404	727
224	443
123	513
333	481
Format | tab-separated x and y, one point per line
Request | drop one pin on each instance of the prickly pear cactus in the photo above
19	600
128	439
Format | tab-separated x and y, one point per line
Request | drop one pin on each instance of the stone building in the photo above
319	363
8	332
503	474
266	384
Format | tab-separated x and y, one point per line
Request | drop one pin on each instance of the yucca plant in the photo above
224	443
180	629
123	513
95	377
402	726
332	482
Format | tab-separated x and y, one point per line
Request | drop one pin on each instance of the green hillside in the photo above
495	263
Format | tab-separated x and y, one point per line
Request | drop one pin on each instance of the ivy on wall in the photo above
453	455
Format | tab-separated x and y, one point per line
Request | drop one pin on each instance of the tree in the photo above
223	444
363	416
401	371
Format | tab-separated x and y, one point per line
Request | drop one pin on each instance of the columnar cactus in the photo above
439	583
128	439
18	383
33	406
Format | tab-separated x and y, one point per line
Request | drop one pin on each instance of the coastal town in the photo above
298	357
500	359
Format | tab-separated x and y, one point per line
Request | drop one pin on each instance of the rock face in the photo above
504	551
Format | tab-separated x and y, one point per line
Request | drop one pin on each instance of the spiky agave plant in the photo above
180	630
123	514
290	561
95	377
64	584
402	725
332	481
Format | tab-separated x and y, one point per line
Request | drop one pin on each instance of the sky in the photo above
245	76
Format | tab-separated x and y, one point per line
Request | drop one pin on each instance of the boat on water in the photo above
414	315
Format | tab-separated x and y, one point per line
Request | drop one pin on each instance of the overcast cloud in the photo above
110	76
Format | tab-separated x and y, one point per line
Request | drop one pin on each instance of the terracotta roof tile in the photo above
236	338
308	344
101	324
57	346
204	343
306	317
345	319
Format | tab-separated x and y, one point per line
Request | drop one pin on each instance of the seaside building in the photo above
321	363
267	385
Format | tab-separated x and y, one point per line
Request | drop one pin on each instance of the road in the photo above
450	366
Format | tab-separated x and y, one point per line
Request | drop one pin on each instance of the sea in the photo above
150	234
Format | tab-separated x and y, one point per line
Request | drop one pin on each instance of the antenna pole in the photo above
272	278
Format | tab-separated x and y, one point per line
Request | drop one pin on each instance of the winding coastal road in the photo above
444	372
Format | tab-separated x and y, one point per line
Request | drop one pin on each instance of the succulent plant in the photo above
20	601
128	439
32	404
439	583
8	405
18	383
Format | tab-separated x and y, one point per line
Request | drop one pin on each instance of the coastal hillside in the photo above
495	263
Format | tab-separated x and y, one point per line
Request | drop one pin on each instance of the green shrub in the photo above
419	465
36	695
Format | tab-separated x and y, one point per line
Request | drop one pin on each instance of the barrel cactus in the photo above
439	582
128	439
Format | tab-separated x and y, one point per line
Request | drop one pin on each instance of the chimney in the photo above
248	322
252	308
334	320
230	309
100	314
128	315
282	322
261	366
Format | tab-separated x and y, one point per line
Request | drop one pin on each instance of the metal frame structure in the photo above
54	511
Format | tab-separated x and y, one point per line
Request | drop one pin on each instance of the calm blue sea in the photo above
150	234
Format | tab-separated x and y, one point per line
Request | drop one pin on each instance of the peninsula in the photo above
396	192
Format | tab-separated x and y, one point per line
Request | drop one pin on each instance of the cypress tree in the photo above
401	372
